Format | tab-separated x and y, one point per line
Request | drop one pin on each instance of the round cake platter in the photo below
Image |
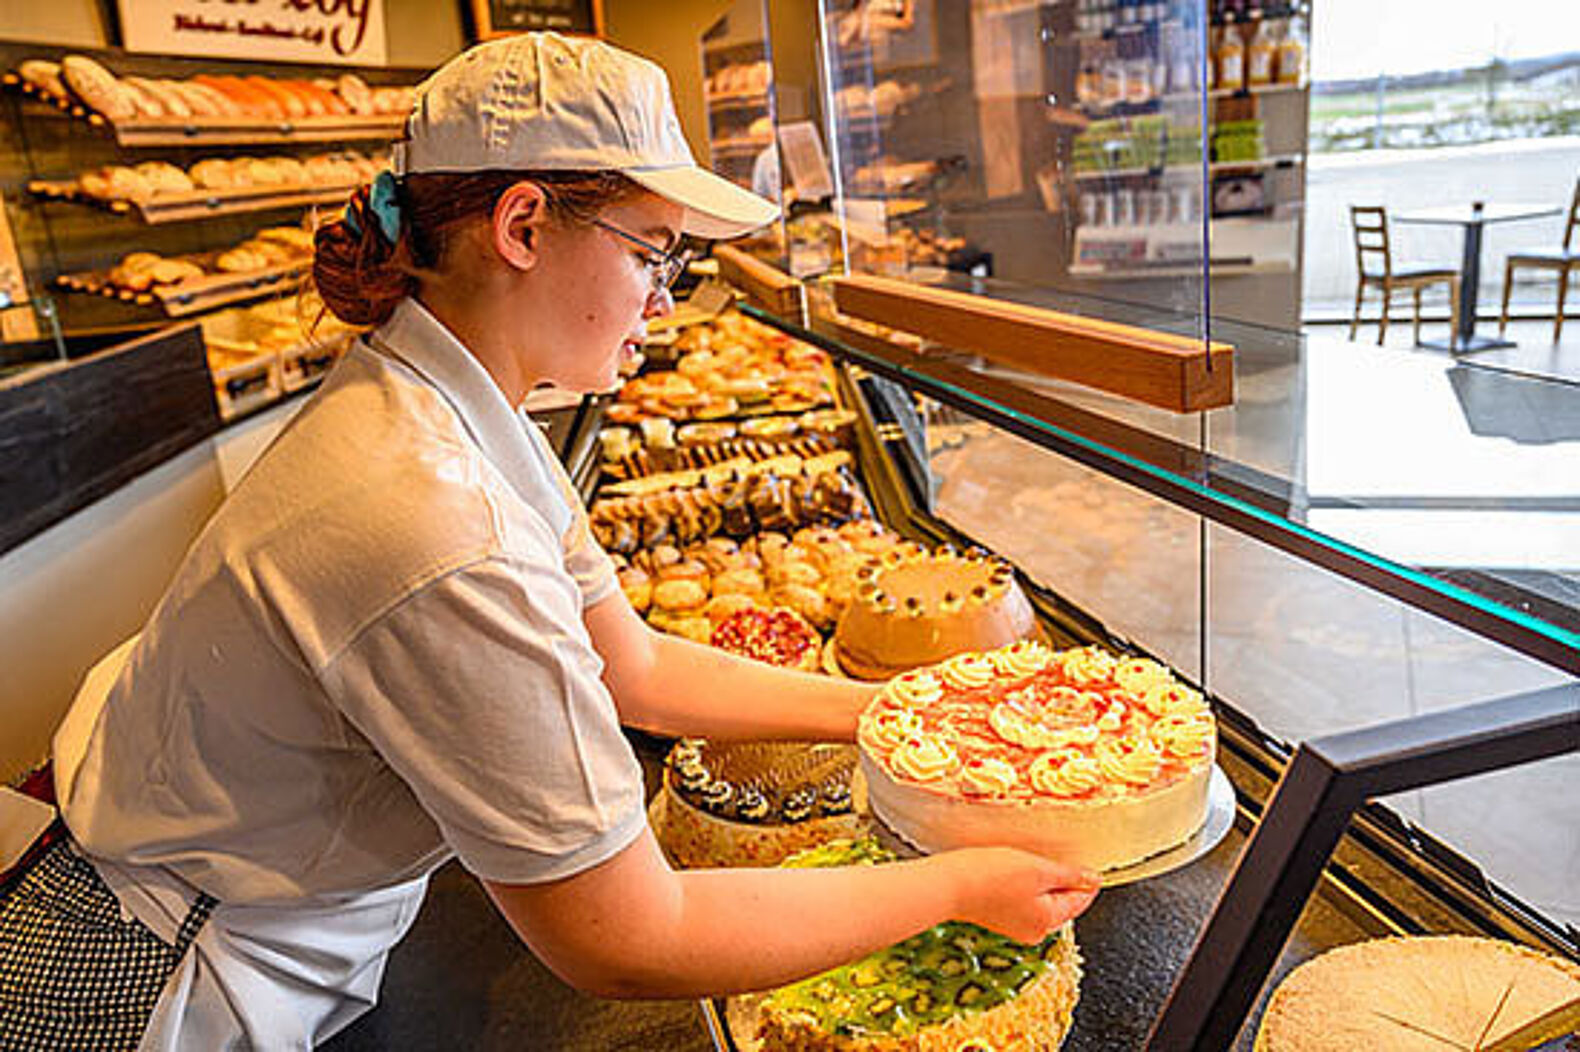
830	660
1219	820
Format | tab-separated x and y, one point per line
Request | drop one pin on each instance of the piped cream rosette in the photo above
1076	753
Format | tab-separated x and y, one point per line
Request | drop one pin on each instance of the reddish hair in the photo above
361	276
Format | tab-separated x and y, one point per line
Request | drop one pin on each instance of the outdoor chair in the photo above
1562	260
1374	269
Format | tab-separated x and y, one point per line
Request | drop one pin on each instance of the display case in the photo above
738	89
1400	611
1110	148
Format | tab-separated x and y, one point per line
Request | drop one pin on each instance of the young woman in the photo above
397	641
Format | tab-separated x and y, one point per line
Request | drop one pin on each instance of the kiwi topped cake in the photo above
955	987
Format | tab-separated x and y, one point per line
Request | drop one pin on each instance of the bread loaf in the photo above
97	87
170	101
45	76
356	93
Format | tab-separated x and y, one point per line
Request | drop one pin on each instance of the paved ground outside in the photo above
1533	170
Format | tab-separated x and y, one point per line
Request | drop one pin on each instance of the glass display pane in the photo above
1060	146
1418	471
738	89
1120	554
1521	825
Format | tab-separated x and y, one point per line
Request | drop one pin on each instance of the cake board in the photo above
1216	826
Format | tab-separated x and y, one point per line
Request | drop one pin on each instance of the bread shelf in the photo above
229	131
200	204
726	146
1260	164
196	295
738	100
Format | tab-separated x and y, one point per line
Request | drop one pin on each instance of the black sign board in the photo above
498	17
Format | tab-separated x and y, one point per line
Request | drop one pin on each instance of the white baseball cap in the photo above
547	102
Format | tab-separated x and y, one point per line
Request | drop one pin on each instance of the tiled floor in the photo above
1301	650
1535	352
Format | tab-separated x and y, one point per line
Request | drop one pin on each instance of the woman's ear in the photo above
521	211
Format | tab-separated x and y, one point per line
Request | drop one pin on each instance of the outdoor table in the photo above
1472	217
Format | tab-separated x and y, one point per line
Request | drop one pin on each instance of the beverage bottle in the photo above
1231	59
1261	52
1291	56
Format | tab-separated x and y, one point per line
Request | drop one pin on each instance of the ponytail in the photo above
358	274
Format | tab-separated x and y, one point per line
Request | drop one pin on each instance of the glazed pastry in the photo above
806	601
682	596
724	606
683	570
741	582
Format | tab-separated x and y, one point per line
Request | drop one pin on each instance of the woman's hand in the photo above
1016	893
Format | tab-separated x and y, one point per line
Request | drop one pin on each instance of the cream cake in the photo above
1425	994
1079	755
952	988
915	608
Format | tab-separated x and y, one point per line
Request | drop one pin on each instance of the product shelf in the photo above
196	295
229	131
200	204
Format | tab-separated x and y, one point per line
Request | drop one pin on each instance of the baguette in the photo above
169	100
250	100
287	102
146	103
97	87
45	76
356	93
324	92
213	173
205	101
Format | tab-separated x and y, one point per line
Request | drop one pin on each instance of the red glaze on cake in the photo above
779	637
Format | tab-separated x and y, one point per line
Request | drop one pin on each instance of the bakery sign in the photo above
327	31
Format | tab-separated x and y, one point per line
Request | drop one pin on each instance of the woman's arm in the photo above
669	685
632	927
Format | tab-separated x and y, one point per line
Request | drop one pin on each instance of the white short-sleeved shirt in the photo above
372	658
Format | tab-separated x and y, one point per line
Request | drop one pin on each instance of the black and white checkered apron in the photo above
75	974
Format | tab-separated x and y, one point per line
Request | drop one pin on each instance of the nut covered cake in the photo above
952	988
1423	994
1078	755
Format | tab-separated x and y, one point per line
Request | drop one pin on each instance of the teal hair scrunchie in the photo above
384	203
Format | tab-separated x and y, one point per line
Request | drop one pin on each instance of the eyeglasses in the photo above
662	266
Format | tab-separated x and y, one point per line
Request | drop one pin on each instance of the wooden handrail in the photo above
1172	372
767	286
